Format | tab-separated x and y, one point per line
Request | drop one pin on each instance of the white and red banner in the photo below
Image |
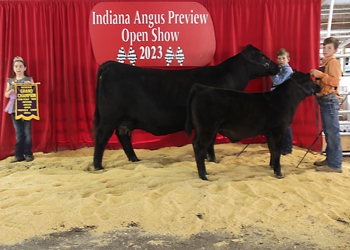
152	33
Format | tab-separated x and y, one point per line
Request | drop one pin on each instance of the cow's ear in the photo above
308	76
295	74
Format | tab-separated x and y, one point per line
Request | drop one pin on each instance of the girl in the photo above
23	147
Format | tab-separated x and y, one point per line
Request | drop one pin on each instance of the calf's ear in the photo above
296	74
249	46
307	76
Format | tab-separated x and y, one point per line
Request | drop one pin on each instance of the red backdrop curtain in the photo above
53	37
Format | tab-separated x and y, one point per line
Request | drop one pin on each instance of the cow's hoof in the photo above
212	160
280	176
93	168
134	159
204	178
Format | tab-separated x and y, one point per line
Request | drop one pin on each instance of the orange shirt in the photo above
331	76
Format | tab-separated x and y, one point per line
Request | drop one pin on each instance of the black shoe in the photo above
29	158
17	160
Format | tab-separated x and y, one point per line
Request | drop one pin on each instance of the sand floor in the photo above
163	194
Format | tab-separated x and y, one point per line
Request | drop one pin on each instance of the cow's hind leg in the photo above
200	146
125	141
102	135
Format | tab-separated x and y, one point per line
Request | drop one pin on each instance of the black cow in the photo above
238	115
154	100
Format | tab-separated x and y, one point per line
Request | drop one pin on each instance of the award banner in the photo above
27	107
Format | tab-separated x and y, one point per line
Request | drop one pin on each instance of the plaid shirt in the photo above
284	75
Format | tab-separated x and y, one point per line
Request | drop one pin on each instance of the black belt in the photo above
326	96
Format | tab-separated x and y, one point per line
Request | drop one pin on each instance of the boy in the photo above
328	77
285	74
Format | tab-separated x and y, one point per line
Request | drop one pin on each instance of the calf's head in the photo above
263	66
305	83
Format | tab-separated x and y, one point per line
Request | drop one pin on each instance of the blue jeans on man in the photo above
24	143
329	108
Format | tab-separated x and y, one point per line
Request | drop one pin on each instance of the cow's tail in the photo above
97	116
189	123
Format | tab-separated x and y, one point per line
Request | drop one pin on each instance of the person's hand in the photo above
315	73
27	82
8	93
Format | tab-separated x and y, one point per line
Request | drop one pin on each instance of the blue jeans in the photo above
330	123
23	137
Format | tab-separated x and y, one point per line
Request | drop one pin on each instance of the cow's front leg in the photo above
125	141
275	156
276	165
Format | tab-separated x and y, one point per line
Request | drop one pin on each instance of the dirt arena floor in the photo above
54	202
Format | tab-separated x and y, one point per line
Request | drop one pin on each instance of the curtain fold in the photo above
53	38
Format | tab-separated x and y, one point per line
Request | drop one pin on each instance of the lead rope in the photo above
318	134
317	125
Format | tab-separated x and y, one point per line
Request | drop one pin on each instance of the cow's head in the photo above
305	83
263	66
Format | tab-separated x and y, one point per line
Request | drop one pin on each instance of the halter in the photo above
266	65
306	91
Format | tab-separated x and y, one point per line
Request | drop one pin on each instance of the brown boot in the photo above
29	158
328	169
17	160
321	163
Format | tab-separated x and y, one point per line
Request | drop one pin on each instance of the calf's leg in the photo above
274	145
276	165
200	146
210	152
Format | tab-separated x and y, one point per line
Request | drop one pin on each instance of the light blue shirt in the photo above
284	75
